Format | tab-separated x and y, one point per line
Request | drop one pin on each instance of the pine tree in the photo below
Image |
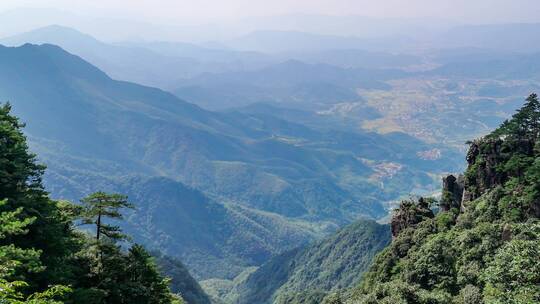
13	258
144	281
40	248
524	124
96	209
99	206
21	185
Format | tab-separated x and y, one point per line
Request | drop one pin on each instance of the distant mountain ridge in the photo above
145	64
292	83
275	184
267	41
84	158
502	37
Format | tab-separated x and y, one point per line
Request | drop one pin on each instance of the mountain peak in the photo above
54	34
47	58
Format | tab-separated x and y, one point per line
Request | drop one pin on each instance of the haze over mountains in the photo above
282	182
20	20
247	155
140	64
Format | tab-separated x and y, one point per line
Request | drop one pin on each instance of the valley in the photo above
307	186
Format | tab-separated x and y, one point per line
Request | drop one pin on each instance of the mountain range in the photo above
258	184
263	169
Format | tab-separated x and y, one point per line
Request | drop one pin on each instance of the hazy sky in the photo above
220	20
469	11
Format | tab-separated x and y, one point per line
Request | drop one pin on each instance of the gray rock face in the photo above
409	214
452	192
484	158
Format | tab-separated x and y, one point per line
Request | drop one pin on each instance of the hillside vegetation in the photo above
181	282
484	244
333	263
45	260
254	185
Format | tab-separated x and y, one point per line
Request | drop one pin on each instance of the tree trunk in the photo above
98	226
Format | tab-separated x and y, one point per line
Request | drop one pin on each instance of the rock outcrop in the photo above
409	214
485	157
491	163
452	192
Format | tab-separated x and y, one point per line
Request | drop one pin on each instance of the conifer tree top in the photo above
524	124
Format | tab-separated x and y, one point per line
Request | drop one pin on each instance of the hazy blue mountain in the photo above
353	58
273	183
502	37
167	64
222	57
349	25
287	41
496	66
468	54
273	41
54	89
294	72
310	118
121	29
126	63
291	83
107	28
157	64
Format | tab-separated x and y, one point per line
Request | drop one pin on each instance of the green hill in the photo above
181	280
313	271
216	240
484	244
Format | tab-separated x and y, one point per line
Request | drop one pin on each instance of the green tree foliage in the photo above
12	258
100	206
514	274
115	276
21	186
44	260
307	275
488	252
130	277
181	280
525	123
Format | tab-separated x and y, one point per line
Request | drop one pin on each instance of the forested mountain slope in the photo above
311	272
181	281
46	259
266	175
484	244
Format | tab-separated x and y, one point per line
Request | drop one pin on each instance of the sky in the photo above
467	11
220	20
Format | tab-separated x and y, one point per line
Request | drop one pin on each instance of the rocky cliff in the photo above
483	246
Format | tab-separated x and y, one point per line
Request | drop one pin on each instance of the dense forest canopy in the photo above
44	259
